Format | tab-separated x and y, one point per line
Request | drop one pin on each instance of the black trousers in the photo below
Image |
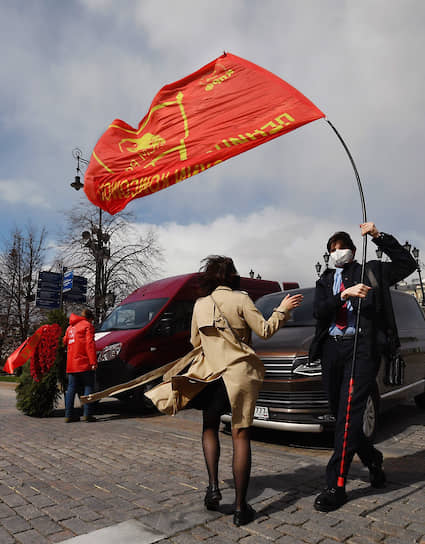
336	367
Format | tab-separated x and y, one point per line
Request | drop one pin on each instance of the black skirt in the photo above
212	398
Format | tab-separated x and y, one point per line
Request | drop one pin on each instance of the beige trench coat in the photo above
242	370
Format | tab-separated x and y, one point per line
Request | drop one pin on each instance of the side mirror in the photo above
165	325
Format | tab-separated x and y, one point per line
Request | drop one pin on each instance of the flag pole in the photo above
341	478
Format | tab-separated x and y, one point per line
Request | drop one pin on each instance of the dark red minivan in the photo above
151	327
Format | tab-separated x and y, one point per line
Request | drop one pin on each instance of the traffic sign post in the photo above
53	288
48	290
78	290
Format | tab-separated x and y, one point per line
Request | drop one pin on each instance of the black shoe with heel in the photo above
244	516
212	497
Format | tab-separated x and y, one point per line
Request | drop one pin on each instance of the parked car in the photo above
151	327
292	397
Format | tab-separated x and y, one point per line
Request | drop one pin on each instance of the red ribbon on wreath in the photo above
40	348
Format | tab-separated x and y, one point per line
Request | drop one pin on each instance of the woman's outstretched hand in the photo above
290	302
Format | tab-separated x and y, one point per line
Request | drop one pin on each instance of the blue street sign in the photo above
67	281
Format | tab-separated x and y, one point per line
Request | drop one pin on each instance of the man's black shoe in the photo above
330	499
244	516
212	497
377	476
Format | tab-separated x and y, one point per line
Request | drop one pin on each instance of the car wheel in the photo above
420	401
370	416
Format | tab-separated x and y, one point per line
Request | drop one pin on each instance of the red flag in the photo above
25	351
227	107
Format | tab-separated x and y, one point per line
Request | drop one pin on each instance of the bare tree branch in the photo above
114	262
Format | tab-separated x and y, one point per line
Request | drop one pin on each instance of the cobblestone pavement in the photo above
60	480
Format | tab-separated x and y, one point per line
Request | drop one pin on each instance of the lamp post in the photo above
379	253
415	253
326	259
318	267
97	242
251	274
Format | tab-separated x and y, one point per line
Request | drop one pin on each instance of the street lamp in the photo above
258	277
318	267
415	253
326	259
77	154
379	253
251	274
407	246
96	242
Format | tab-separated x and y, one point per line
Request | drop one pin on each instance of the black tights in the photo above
241	455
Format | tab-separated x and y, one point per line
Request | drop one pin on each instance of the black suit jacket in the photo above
374	313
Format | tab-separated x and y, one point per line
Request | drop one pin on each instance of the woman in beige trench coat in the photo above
222	323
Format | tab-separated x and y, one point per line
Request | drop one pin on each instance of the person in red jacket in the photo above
80	362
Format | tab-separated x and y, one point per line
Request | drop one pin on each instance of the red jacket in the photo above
79	339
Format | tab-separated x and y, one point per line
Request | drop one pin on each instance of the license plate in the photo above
261	412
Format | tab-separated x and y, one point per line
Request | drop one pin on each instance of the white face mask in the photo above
340	257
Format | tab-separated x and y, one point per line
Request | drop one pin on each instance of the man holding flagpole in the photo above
337	296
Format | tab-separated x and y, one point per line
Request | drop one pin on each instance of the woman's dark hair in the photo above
88	314
342	237
218	270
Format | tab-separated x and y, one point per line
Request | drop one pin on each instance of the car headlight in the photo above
109	352
303	366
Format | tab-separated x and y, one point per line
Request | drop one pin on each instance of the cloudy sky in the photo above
69	67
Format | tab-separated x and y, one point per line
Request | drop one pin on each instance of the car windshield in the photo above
134	315
301	317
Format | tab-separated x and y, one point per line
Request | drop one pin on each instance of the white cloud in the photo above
277	244
23	191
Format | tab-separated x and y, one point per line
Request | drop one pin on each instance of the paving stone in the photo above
45	525
328	528
5	511
5	537
286	539
57	512
77	526
85	513
41	501
362	539
301	534
15	524
31	537
184	538
254	539
261	529
14	500
202	533
28	512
